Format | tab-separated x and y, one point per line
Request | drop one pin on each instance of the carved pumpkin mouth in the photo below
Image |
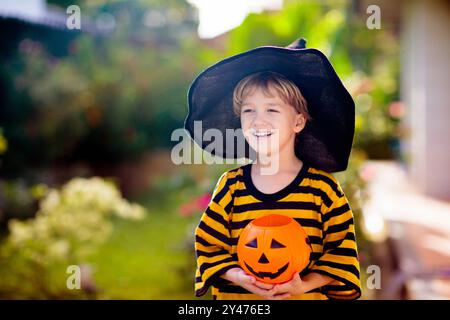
270	275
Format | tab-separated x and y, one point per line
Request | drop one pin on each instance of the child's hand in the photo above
287	289
248	282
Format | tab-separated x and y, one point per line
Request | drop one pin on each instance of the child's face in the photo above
269	124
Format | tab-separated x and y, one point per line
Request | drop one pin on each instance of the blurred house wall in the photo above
425	89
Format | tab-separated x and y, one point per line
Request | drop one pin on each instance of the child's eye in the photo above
247	110
272	110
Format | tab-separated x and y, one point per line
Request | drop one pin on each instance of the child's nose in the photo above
259	118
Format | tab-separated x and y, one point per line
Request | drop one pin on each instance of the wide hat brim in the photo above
326	141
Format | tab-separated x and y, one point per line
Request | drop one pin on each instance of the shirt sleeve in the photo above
340	255
213	240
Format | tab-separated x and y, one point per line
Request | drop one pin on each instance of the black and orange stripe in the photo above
314	199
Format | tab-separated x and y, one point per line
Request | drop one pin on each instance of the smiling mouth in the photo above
260	134
270	275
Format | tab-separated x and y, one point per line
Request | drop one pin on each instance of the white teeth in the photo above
265	133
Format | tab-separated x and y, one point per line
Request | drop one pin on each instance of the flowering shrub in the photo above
195	205
68	227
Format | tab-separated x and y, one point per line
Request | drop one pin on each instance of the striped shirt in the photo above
314	199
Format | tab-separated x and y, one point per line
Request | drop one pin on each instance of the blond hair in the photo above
287	91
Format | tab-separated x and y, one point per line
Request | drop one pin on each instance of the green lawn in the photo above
143	259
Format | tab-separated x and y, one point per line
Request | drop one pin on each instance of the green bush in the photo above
109	98
67	229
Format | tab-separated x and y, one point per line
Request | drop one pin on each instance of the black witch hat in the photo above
325	142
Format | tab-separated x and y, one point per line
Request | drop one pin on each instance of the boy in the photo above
273	115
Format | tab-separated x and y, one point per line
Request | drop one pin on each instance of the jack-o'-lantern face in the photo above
273	248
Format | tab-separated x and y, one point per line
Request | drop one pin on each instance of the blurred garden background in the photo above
86	117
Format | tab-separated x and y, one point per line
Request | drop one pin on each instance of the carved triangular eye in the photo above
252	244
276	245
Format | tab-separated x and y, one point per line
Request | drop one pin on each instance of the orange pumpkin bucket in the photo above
273	248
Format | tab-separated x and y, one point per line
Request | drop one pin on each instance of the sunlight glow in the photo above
219	16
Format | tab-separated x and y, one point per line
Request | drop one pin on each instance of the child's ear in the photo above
300	122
